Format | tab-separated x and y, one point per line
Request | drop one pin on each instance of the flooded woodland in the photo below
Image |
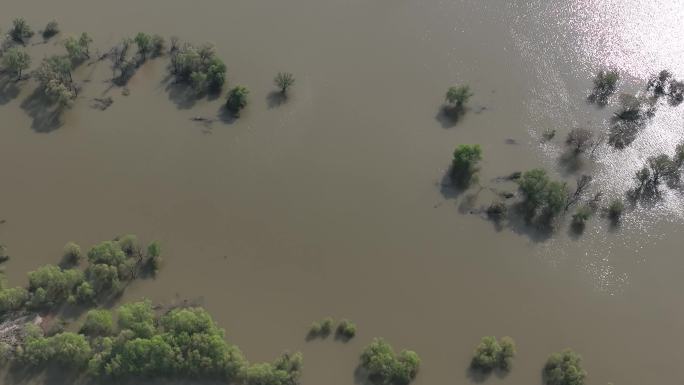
336	201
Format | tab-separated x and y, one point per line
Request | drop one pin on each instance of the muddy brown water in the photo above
333	203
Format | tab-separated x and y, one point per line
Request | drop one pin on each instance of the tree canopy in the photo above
564	368
384	366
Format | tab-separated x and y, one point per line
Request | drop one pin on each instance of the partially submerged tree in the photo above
386	367
72	253
579	139
464	163
630	119
564	368
658	169
457	97
580	218
321	328
144	43
346	330
198	66
21	32
615	210
542	197
54	76
50	30
605	84
16	61
582	185
237	100
284	80
78	49
491	354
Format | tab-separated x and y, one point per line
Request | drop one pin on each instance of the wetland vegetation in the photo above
78	314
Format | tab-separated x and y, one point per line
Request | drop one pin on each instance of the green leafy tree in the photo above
464	163
491	354
144	43
137	317
128	244
16	61
104	279
198	66
542	194
237	100
386	367
284	80
564	368
85	294
346	329
51	286
321	328
107	252
457	97
78	49
13	299
284	371
67	349
72	253
98	323
153	256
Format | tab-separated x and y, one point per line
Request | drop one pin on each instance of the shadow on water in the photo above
45	113
570	162
8	89
226	116
275	99
361	376
182	95
448	116
479	376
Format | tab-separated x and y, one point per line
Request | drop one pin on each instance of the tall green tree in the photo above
16	62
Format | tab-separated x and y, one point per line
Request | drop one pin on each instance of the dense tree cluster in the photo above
658	170
384	366
12	299
564	368
543	198
198	66
50	286
464	163
109	268
98	323
54	76
125	61
67	349
493	354
185	343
